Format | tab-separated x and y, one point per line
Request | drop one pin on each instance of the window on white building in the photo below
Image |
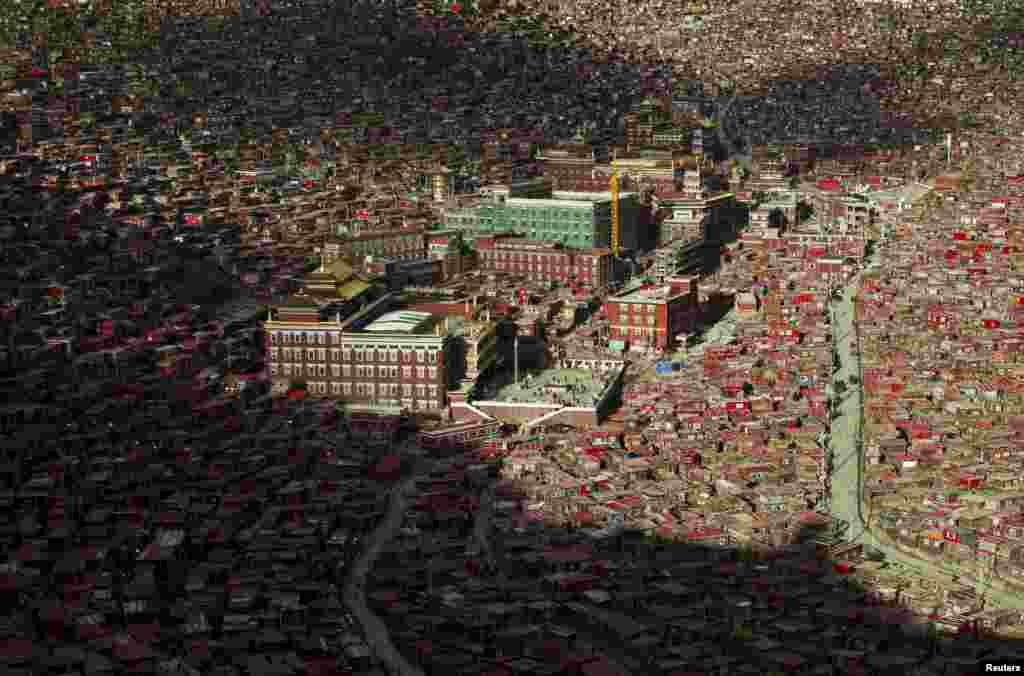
433	373
321	354
407	390
346	370
335	370
346	388
335	354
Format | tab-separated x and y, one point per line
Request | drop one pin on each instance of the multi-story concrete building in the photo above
545	260
565	166
644	169
578	220
378	355
682	257
402	272
653	315
480	345
401	243
696	216
539	188
446	246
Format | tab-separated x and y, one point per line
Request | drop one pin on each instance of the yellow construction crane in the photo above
613	188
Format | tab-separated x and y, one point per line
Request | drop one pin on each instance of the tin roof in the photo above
400	321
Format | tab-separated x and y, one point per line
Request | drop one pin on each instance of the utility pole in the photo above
515	343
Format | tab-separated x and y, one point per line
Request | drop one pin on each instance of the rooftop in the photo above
645	294
567	199
571	387
401	321
910	192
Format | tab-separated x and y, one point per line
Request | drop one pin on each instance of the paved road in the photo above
374	629
482	524
847	474
845	429
376	632
355	596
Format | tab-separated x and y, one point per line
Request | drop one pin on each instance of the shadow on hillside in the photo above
532	88
566	602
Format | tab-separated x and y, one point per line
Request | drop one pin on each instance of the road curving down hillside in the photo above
848	461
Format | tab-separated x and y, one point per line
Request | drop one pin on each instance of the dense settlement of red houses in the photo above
258	494
939	325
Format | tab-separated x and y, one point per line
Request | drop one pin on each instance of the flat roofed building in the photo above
563	168
696	216
396	243
576	219
652	315
400	321
401	272
545	260
538	188
381	355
